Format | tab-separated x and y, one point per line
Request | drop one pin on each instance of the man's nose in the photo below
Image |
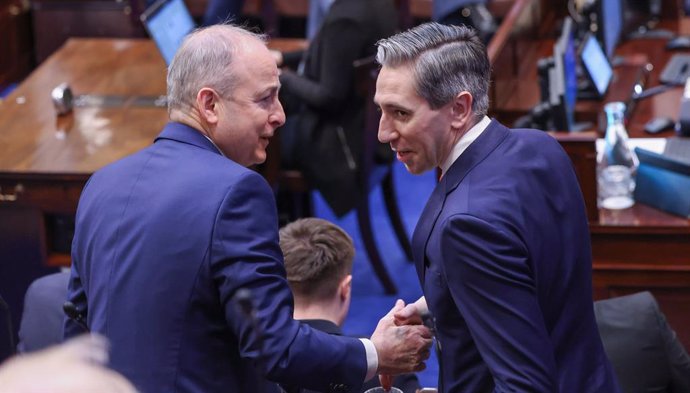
386	131
278	116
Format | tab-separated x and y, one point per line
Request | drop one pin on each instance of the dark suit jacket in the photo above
644	350
408	383
164	239
330	119
42	319
503	254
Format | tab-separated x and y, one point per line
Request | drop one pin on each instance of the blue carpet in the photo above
7	90
369	302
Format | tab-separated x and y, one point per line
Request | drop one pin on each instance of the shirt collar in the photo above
464	142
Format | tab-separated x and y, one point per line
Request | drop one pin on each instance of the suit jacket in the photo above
42	319
408	383
503	254
330	119
164	239
644	350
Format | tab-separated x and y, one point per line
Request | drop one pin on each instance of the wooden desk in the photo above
46	159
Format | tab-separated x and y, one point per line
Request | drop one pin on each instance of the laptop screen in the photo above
168	22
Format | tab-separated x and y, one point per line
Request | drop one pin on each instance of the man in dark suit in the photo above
502	247
644	350
318	263
323	137
167	237
41	324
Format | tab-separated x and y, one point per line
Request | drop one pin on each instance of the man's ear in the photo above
207	104
346	287
462	110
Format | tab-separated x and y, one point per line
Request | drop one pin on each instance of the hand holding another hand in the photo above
400	349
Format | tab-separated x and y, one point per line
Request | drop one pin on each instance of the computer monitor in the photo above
563	79
595	65
610	25
168	22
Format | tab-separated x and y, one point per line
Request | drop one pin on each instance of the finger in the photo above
399	305
386	381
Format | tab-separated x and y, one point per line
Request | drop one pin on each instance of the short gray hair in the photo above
203	60
446	59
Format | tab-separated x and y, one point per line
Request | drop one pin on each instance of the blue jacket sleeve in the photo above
489	277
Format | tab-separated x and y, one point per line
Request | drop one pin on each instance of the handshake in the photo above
402	342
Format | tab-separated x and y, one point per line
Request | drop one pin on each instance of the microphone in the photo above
243	301
73	313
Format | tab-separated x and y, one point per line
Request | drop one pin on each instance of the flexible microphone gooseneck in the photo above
73	313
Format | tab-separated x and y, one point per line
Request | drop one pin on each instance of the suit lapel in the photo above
492	136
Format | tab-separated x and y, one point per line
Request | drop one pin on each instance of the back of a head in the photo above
447	60
318	254
204	60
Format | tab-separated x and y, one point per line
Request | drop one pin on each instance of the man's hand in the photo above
401	349
412	313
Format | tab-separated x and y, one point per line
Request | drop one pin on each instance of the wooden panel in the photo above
16	48
56	21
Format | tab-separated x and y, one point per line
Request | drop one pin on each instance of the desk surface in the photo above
35	140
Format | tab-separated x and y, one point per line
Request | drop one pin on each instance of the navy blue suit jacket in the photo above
503	253
164	238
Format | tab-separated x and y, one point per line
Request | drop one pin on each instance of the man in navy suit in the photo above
167	237
502	247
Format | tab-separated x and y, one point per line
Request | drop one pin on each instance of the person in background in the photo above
76	366
220	11
318	263
470	13
318	9
502	247
325	114
175	257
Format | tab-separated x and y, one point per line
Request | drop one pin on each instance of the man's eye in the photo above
400	114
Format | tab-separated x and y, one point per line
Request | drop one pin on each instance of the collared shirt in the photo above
464	142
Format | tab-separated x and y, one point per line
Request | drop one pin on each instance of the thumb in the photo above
399	305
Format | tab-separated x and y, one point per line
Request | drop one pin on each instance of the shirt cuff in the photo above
372	358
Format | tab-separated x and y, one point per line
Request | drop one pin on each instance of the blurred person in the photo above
318	262
221	11
166	238
318	9
77	366
325	114
502	248
470	13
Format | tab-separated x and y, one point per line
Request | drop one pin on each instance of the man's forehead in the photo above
395	83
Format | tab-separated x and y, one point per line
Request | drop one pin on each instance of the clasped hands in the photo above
402	341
